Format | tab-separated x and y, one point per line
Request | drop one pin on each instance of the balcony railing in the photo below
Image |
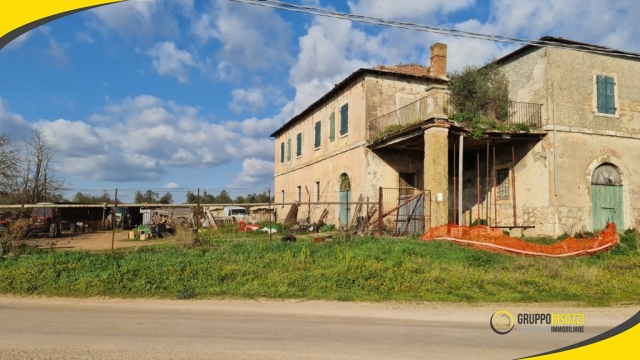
406	116
506	112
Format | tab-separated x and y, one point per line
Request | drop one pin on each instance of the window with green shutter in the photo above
605	88
344	119
318	128
332	126
299	144
282	152
288	149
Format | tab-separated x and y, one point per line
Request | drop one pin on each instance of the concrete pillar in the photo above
436	172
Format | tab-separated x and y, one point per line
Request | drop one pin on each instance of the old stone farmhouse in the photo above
573	168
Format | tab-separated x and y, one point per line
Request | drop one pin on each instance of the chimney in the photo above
439	60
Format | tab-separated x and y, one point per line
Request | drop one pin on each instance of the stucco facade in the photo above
315	174
369	96
545	175
553	176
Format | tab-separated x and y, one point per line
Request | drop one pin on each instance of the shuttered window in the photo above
605	87
299	144
318	129
332	126
288	149
282	152
344	119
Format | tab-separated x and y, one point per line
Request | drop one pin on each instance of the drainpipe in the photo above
513	180
555	153
455	195
486	186
478	180
460	178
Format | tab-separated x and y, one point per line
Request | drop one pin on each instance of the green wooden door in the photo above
345	211
607	206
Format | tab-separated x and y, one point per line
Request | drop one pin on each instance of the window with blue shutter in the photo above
606	99
299	144
282	152
332	126
288	149
316	143
344	119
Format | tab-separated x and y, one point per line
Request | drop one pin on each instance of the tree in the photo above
35	179
480	91
224	198
92	199
152	197
166	199
27	172
10	158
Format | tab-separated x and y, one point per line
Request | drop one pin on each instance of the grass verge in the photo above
366	269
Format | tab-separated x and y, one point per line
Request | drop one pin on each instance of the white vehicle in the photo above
235	211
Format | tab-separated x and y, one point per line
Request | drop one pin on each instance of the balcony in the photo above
494	114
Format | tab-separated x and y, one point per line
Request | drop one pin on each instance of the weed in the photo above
185	293
369	269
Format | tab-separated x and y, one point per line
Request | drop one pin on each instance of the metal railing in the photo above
506	111
406	116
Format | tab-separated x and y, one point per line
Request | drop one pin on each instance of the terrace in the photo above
487	114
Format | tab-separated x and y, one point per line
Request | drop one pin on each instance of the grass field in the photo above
364	269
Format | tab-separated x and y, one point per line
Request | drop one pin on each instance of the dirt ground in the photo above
100	240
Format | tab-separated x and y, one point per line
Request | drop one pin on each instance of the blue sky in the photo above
184	93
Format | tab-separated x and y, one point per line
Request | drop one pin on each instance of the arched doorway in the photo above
606	197
344	198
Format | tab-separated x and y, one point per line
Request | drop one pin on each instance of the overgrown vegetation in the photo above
367	269
479	99
392	129
479	124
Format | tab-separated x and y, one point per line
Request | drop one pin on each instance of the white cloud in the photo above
255	174
330	51
247	99
252	37
19	41
130	18
606	23
169	60
139	139
171	185
84	37
55	49
12	125
410	9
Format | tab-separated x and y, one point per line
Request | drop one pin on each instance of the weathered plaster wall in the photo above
531	174
325	163
585	138
527	74
579	154
571	83
371	96
386	93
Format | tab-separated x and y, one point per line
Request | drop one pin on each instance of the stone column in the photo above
436	171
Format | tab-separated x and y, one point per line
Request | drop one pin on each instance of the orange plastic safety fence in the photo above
493	239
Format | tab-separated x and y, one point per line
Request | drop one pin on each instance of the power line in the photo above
433	29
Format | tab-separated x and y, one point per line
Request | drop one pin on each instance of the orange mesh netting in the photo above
493	239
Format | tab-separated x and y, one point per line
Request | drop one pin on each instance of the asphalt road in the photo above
54	328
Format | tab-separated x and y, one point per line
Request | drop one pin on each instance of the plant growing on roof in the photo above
482	91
